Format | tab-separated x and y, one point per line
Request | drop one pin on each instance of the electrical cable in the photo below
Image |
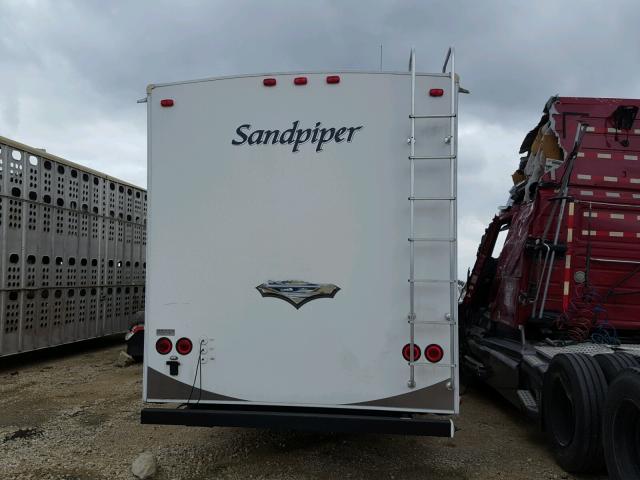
200	363
198	368
586	318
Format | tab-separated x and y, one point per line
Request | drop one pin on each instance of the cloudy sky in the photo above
70	72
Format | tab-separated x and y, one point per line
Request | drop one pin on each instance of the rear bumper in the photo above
304	419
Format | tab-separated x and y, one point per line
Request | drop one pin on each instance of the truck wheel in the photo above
622	426
573	395
612	364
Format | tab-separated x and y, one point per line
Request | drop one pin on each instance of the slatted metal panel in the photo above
72	255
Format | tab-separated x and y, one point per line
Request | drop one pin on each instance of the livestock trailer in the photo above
302	251
72	252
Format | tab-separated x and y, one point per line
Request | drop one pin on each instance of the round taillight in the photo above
163	345
406	352
184	346
433	353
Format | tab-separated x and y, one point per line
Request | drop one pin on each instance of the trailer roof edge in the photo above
41	153
151	86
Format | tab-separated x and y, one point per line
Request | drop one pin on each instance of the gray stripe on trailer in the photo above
437	396
160	386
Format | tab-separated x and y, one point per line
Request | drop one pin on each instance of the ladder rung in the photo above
429	364
430	280
431	239
432	198
436	157
433	116
432	322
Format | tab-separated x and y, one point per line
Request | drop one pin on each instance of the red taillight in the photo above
163	345
269	82
300	80
333	79
184	346
406	352
436	92
433	353
167	102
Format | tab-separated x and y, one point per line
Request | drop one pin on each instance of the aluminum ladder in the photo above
452	140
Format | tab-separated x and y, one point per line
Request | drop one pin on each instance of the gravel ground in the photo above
73	415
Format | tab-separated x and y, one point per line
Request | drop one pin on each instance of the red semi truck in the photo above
553	317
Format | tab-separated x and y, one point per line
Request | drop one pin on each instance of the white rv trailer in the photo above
302	251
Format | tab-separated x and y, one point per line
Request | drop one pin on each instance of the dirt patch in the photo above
78	418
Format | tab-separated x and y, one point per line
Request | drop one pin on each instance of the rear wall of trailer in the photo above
232	209
72	253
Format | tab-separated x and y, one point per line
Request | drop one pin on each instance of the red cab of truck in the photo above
571	257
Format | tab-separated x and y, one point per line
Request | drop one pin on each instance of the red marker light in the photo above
333	79
433	353
436	92
269	82
167	102
300	80
184	346
163	345
406	352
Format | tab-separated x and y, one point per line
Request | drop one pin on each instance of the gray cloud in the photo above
71	71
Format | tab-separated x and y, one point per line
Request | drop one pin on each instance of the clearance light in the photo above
433	353
300	80
436	92
167	102
406	352
269	82
333	79
184	346
163	345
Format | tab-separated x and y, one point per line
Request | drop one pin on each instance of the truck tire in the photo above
613	363
573	395
621	432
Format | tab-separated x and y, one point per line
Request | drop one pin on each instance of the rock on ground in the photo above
144	466
124	360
